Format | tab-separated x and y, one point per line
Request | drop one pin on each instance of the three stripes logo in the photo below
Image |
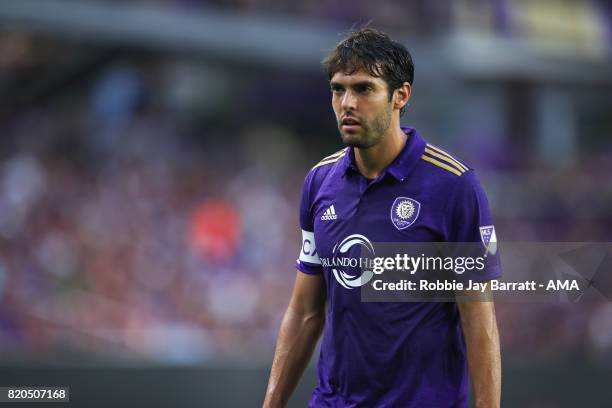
329	214
440	158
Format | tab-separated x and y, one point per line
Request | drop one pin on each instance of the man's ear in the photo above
401	95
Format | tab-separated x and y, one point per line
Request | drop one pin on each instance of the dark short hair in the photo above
374	52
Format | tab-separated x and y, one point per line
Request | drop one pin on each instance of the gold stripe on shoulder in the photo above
330	159
437	149
447	159
440	164
338	153
323	163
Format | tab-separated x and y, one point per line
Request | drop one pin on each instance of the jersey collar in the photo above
401	166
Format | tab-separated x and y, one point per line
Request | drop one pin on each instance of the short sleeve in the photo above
308	260
470	221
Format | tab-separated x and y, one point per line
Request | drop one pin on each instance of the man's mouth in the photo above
350	123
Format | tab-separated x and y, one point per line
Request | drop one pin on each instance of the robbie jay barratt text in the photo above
494	285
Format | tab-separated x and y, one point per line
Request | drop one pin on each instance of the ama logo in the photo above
339	259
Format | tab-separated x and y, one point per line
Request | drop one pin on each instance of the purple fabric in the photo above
389	354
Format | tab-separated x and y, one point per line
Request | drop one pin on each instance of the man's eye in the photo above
364	89
336	89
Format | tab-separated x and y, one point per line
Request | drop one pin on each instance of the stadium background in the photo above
152	155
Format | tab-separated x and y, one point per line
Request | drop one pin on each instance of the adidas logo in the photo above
329	214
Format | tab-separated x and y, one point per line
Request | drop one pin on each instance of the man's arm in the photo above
483	353
297	338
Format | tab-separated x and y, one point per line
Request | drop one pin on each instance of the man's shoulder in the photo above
328	160
441	165
446	176
325	167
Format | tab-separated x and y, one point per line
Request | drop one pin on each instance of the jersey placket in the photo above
367	188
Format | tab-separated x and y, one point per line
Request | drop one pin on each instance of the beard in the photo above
370	132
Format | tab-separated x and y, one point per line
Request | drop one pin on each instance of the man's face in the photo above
362	107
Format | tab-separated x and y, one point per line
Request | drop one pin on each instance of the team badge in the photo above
489	239
404	212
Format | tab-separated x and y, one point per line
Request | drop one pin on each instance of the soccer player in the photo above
387	185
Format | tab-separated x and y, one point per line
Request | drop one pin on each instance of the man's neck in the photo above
373	160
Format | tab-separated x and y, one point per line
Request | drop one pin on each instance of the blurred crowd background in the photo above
149	189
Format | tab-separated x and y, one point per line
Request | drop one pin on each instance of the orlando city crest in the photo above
404	212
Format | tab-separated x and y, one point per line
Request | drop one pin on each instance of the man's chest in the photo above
392	212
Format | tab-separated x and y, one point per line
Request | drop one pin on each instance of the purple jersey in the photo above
391	354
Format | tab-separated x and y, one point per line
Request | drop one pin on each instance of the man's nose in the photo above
349	101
